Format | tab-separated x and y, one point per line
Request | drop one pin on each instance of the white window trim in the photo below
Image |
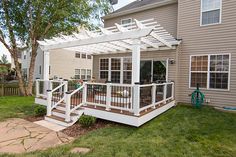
125	19
201	11
109	67
208	72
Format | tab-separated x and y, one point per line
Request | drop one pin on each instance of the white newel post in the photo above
136	99
84	99
66	86
136	75
154	87
68	101
173	90
165	91
49	102
108	96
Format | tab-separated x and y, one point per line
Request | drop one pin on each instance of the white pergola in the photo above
146	35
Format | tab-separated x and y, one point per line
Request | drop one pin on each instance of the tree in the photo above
3	72
23	22
3	59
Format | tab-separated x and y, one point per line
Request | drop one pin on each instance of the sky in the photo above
120	4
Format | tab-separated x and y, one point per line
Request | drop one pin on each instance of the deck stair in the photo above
58	115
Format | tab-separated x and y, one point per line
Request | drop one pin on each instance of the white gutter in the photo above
145	7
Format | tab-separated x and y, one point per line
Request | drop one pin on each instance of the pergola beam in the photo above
101	39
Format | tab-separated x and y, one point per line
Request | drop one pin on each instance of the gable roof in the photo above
139	5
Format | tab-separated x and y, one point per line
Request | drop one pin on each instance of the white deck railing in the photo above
52	90
155	94
134	99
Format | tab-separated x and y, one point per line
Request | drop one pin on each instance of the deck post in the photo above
108	96
136	61
154	87
136	98
65	88
49	102
173	90
68	101
164	93
85	93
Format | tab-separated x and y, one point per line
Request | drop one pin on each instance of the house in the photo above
152	53
66	64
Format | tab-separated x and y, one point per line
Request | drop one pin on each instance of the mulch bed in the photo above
77	130
34	118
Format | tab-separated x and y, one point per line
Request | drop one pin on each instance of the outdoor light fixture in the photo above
172	61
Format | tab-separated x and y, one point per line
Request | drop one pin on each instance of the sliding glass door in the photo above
152	71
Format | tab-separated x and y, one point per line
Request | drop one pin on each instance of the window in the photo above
89	74
219	71
89	57
24	73
24	56
127	70
126	21
83	74
40	70
210	71
113	69
104	68
77	55
210	12
83	56
77	73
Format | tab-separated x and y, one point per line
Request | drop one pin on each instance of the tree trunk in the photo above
19	76
29	88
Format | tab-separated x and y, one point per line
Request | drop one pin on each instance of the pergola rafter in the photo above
114	39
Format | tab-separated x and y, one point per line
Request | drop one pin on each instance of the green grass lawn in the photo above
181	131
14	107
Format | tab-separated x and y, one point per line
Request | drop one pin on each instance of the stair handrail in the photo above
64	83
76	90
51	106
68	102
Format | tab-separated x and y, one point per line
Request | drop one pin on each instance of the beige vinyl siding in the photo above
166	16
212	39
155	55
63	63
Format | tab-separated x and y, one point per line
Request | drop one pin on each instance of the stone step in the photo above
61	113
58	120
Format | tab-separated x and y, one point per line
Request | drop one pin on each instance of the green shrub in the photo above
87	121
40	111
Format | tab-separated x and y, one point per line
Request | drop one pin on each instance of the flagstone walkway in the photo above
19	136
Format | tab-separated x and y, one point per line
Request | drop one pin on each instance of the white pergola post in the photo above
46	65
136	75
46	71
136	61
